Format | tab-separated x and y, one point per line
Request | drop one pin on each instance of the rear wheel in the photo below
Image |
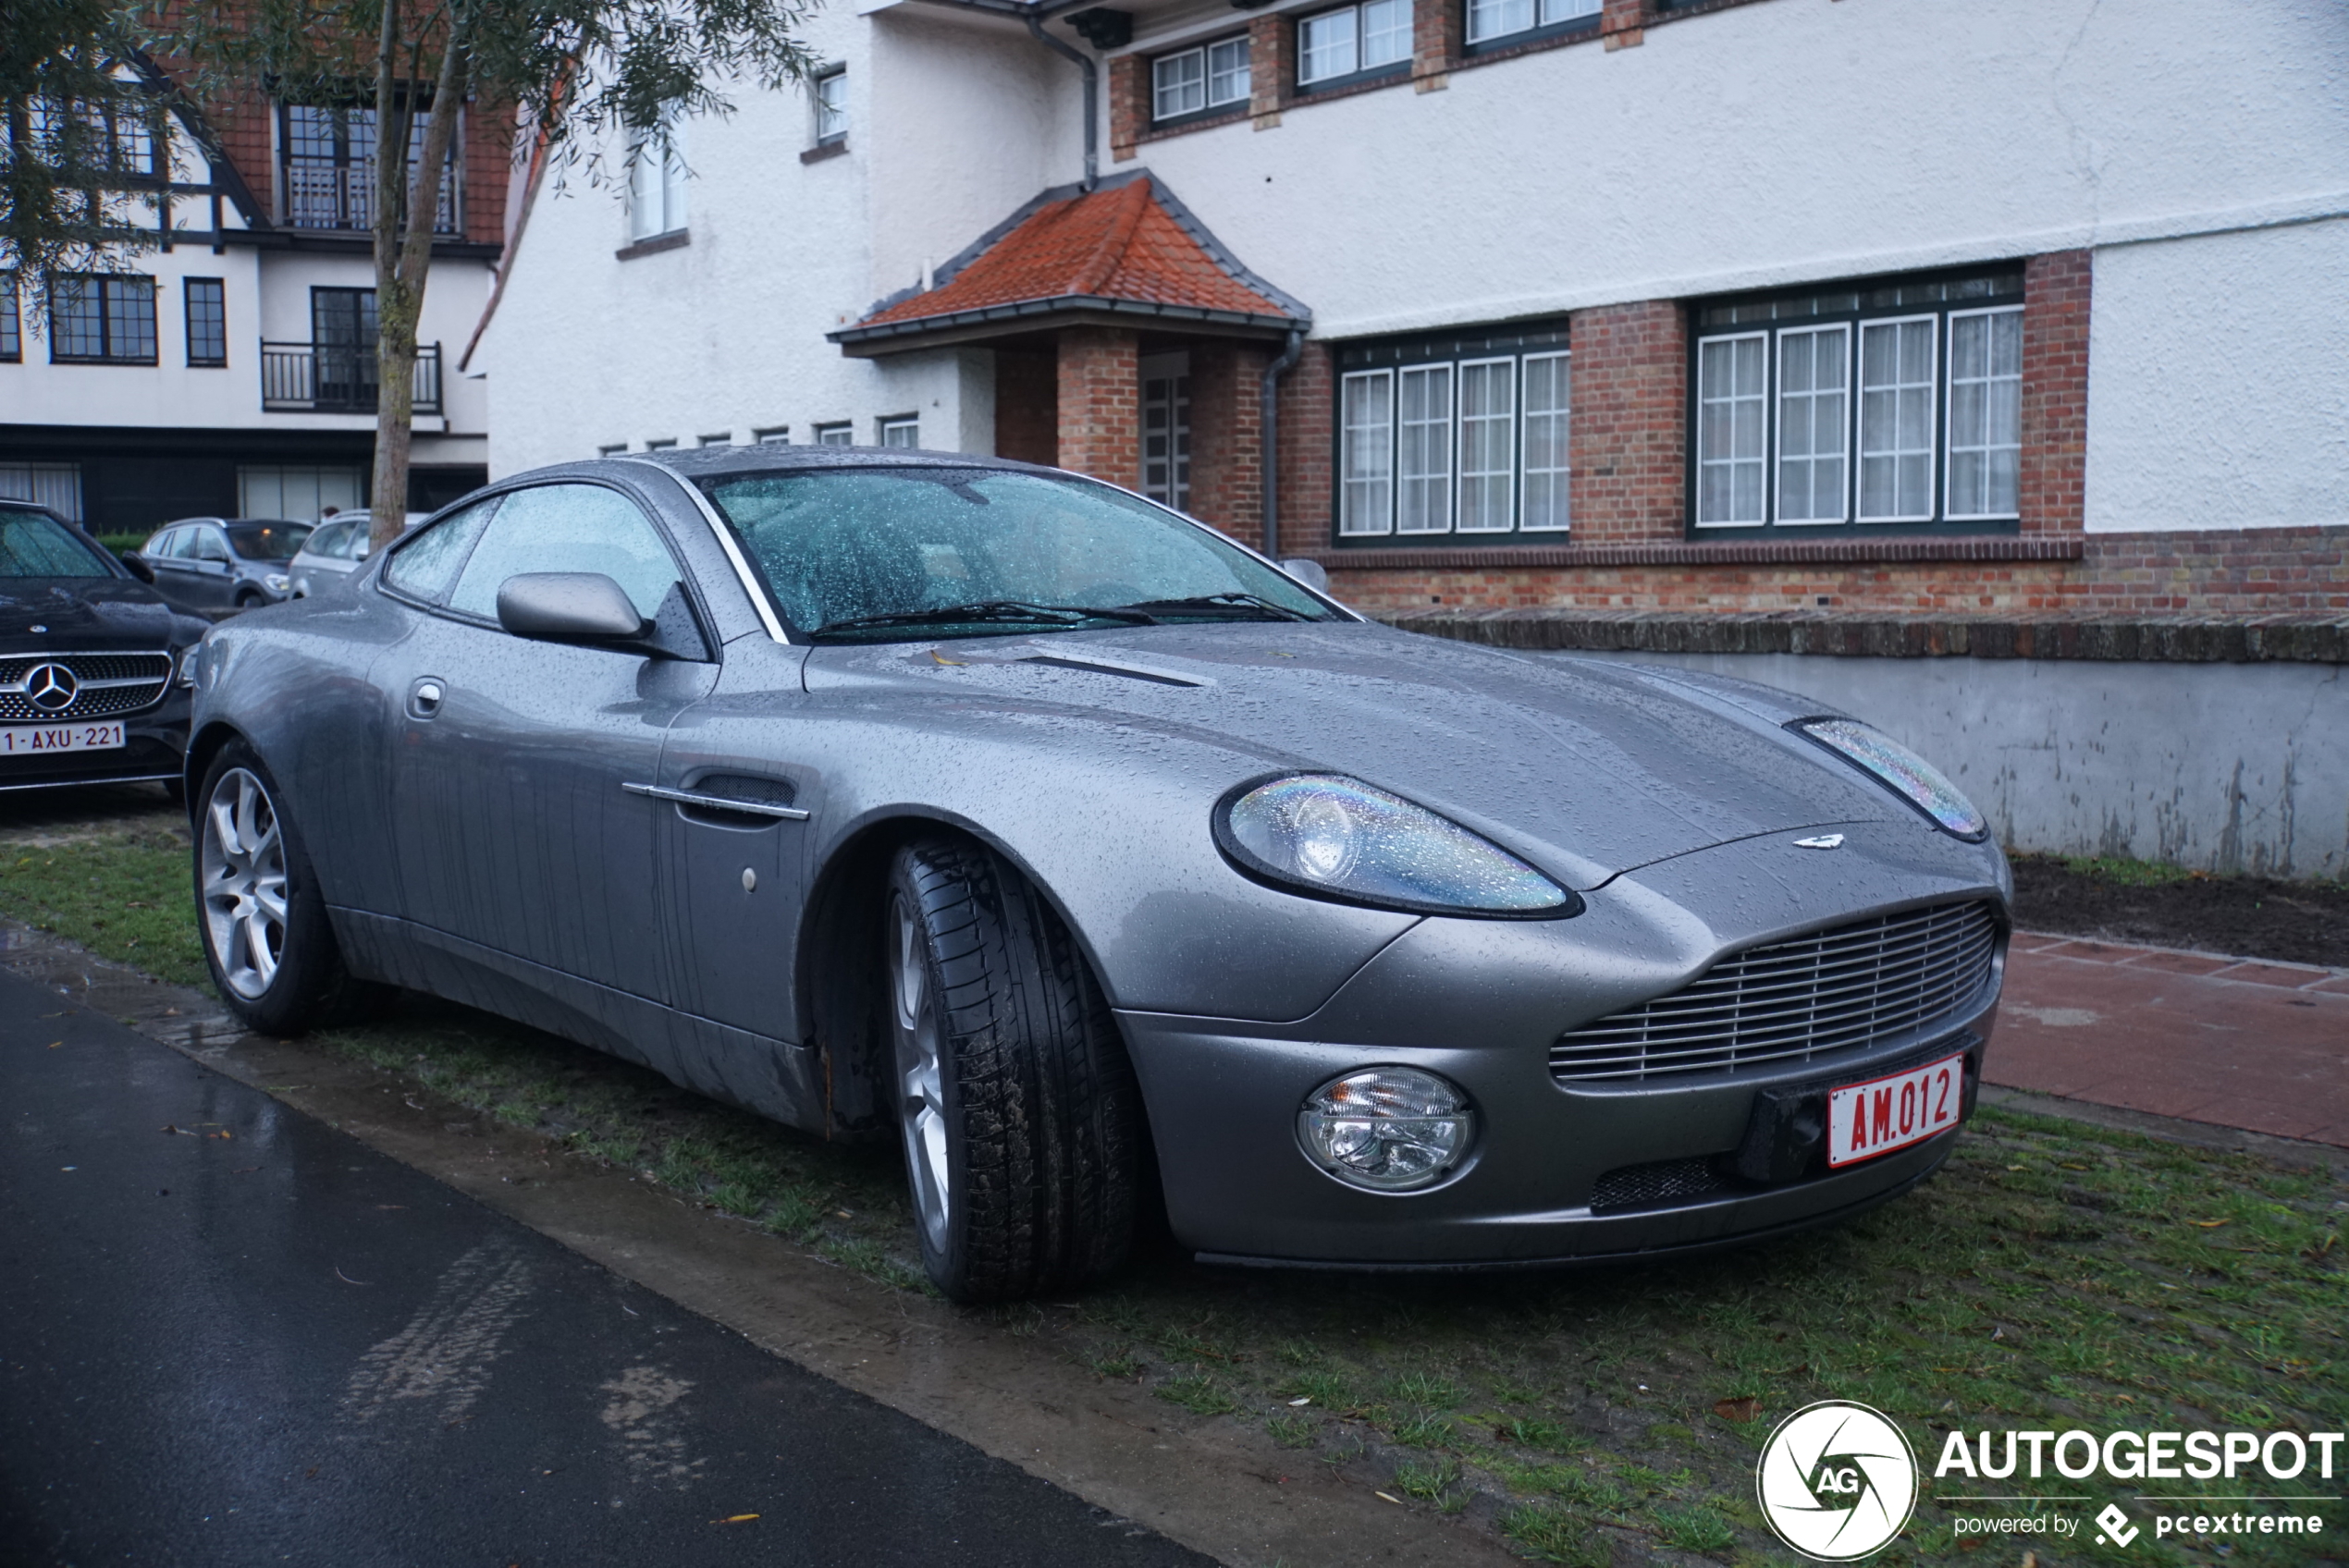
1018	1106
266	937
248	599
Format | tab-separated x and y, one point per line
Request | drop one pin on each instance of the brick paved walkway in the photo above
2235	1042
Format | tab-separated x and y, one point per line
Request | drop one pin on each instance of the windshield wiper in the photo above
1016	611
1264	608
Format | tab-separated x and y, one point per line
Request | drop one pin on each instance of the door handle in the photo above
719	803
424	698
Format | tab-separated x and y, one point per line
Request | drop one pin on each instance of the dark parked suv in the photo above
214	565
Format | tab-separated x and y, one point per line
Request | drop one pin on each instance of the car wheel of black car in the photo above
266	934
1020	1116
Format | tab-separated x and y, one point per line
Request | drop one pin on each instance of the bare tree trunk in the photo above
403	257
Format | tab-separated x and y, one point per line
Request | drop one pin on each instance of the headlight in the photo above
276	582
1388	1129
187	663
1911	778
1340	838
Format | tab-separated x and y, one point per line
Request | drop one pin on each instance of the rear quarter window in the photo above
423	567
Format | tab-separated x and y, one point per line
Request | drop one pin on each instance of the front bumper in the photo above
155	747
1559	1171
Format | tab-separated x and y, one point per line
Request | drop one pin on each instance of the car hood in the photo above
88	613
1589	769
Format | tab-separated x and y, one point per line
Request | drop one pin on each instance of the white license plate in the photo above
17	742
1893	1111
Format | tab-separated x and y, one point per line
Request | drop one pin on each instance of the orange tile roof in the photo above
1115	246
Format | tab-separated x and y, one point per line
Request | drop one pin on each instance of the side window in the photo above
205	544
568	528
423	567
165	544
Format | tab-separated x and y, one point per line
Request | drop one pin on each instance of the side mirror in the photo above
1310	573
137	565
568	606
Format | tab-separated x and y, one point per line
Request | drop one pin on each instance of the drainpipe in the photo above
1271	423
1092	95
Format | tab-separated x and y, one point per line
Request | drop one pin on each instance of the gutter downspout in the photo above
1271	426
1092	94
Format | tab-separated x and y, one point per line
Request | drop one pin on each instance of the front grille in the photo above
108	684
1658	1184
1832	990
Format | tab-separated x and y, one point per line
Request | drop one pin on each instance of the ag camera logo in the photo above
1836	1481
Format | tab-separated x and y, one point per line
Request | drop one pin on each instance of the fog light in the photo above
1388	1129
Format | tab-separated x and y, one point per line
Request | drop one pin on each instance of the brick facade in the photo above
1099	396
1027	409
1227	437
1129	104
1308	402
2055	392
1271	54
1629	441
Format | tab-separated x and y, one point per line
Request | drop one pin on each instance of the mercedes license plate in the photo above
18	741
1893	1111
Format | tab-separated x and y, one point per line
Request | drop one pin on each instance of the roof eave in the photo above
867	340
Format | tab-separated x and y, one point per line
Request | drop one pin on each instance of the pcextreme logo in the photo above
1837	1480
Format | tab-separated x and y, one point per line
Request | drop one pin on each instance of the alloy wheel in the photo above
920	1073
244	883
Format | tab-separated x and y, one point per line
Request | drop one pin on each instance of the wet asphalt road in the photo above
252	1341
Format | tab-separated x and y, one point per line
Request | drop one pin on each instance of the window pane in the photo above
1367	459
1387	32
1986	413
1812	411
1167	440
11	333
1555	11
1546	400
77	318
1227	78
1425	466
568	528
1327	46
1730	406
832	106
1181	84
901	432
207	322
1896	421
1497	18
1488	429
424	568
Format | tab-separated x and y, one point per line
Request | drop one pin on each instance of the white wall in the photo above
2218	382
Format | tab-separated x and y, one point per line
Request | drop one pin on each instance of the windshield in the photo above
36	544
898	554
267	541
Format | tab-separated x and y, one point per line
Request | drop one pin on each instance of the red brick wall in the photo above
1308	407
1629	444
2302	571
1622	22
484	169
1438	27
2055	391
1100	403
1027	405
1227	437
1272	63
1129	114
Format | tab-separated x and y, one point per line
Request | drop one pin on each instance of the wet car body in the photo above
213	566
508	844
121	647
334	549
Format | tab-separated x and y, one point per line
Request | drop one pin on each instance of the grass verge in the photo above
2055	1275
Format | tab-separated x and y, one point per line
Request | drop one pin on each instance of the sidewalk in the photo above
2235	1042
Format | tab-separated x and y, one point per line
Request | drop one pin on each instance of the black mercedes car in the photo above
90	661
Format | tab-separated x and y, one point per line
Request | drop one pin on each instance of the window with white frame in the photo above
1353	41
656	181
1463	436
841	435
900	430
1491	22
54	485
832	106
772	436
1201	81
1890	403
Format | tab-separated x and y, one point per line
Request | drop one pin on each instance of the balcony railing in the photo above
329	378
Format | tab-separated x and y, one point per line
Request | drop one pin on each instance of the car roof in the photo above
710	462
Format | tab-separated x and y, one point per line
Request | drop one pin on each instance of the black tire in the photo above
301	985
248	600
1042	1124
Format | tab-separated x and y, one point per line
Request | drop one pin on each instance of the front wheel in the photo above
1021	1122
266	937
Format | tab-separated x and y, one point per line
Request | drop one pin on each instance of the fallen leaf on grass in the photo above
2210	1224
1295	1402
1746	1409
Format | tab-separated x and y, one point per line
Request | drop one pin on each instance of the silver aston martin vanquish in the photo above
1005	813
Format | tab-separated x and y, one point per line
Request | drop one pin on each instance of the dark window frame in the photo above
11	319
352	156
1517	341
1201	46
188	319
108	355
1940	294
